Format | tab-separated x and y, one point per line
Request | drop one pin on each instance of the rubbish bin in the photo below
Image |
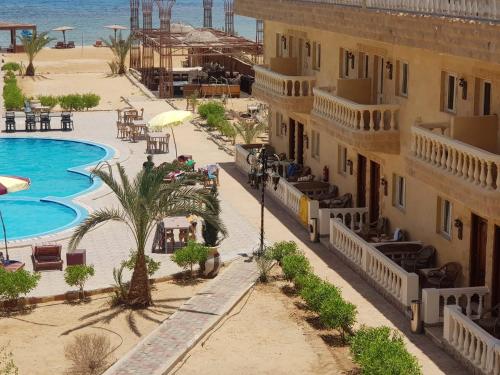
416	325
313	230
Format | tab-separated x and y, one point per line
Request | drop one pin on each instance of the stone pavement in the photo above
158	352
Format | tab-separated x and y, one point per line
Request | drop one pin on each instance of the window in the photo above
399	191
279	121
445	218
315	144
342	160
345	64
450	92
366	66
316	56
403	78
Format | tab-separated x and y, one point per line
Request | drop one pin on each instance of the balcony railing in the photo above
354	116
354	218
283	85
470	298
479	9
471	164
390	277
471	341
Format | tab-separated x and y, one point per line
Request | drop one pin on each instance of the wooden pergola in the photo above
13	27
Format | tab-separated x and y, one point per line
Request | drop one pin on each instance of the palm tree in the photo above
249	130
142	201
120	48
32	45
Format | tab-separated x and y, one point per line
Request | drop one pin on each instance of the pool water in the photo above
55	168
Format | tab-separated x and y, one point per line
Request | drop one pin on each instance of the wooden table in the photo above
14	265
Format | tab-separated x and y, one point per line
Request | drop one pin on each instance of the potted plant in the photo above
210	267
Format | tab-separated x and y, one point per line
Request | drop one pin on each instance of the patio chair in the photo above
98	43
60	45
443	277
10	121
44	121
376	228
211	175
344	201
66	121
425	258
46	257
30	122
490	320
71	44
301	174
121	130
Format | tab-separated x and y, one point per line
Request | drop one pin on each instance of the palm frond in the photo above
249	130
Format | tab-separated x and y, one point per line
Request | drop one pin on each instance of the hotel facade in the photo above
396	103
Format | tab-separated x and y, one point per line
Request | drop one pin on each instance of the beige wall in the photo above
423	103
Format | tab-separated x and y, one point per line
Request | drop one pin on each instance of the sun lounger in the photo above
70	44
60	45
98	43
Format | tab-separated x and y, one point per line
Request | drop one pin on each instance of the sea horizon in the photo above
90	16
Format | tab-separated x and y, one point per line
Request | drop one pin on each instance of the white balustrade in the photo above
480	9
469	298
392	278
287	194
354	218
241	155
474	165
471	341
283	85
349	114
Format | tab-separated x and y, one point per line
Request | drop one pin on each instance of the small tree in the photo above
78	275
120	48
295	265
187	257
33	44
15	284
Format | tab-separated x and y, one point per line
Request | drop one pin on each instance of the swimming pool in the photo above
56	168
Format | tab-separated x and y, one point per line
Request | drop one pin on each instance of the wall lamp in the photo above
351	57
389	68
283	128
462	82
283	41
350	165
460	228
306	140
385	184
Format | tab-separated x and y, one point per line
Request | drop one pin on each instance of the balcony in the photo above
287	91
468	173
373	127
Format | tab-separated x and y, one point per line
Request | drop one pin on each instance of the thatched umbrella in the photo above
63	29
115	28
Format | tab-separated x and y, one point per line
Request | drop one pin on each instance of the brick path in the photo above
166	345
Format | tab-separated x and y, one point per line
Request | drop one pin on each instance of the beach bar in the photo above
13	28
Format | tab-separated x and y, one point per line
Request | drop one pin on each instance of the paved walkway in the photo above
165	346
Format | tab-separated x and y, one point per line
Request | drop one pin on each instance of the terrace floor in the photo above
108	245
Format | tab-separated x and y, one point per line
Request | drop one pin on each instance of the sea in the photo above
89	17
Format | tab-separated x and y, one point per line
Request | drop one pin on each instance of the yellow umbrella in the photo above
169	120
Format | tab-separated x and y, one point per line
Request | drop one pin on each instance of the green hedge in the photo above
48	100
12	95
71	102
11	66
211	108
295	265
382	351
281	249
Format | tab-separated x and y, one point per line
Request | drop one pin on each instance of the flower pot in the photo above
212	265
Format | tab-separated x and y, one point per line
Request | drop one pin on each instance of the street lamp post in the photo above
259	177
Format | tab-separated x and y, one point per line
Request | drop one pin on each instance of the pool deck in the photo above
108	245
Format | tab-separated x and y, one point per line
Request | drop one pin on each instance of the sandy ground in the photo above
267	333
37	338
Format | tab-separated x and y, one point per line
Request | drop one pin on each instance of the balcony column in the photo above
498	176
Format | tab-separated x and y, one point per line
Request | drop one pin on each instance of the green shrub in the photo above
48	100
211	108
71	102
78	275
281	249
295	265
11	67
12	95
151	264
90	100
336	313
9	76
227	129
214	120
15	284
187	257
315	291
381	351
300	281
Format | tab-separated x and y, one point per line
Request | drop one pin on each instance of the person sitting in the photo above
148	165
293	169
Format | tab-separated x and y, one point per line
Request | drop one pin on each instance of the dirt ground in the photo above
37	337
268	332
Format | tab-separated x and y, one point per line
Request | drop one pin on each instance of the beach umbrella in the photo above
169	119
115	28
11	184
63	29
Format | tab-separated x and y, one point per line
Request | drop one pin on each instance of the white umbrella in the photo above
63	29
169	120
115	28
